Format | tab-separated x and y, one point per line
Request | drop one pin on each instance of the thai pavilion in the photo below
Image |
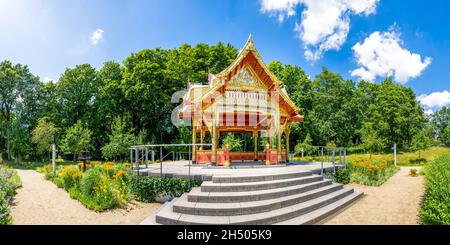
244	98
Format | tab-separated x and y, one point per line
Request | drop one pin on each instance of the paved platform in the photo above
182	169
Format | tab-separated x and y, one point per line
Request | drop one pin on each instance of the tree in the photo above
305	146
440	120
16	85
120	140
371	140
445	136
420	141
76	140
234	143
44	135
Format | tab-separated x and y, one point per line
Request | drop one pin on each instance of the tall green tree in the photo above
17	86
120	140
76	140
44	135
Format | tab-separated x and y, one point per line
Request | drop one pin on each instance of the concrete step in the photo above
319	215
182	205
209	186
257	178
196	195
167	216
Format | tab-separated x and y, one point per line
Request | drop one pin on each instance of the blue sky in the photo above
411	39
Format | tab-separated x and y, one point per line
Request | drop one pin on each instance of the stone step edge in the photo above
253	207
224	220
258	177
196	195
209	186
325	213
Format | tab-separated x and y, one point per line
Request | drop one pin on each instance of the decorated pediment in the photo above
246	79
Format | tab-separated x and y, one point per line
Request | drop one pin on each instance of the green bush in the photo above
5	217
342	176
436	204
146	189
69	177
9	182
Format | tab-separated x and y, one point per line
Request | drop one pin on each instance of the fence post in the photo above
131	158
160	161
190	167
173	156
340	156
53	159
153	156
395	154
332	159
146	157
345	159
321	166
136	158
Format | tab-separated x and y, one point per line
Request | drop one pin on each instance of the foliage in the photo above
372	172
420	141
445	136
342	176
70	177
305	146
44	135
436	204
146	189
120	140
9	182
76	139
234	143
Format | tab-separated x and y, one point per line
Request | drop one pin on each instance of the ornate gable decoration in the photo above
246	79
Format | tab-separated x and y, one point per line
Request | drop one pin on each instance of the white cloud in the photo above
96	36
381	54
429	112
47	80
435	100
324	24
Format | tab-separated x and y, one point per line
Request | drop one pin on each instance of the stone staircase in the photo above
288	198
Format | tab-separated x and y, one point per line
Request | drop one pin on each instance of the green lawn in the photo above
403	158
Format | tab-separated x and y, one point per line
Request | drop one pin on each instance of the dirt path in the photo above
40	202
395	202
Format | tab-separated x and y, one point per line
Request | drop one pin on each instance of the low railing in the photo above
140	154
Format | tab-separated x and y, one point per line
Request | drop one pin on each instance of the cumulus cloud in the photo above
435	100
381	54
324	25
96	36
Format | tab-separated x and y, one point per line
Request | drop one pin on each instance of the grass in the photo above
403	158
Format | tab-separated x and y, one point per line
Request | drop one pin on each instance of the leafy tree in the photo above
372	142
44	135
20	140
76	140
120	140
420	141
16	86
234	143
305	146
440	120
77	91
445	136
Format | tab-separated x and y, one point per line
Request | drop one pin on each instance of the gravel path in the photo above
397	201
40	202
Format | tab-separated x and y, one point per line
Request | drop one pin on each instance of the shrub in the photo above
436	204
413	172
5	217
69	177
146	189
47	170
143	188
9	182
342	176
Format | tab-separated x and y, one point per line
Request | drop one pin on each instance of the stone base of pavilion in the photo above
181	169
